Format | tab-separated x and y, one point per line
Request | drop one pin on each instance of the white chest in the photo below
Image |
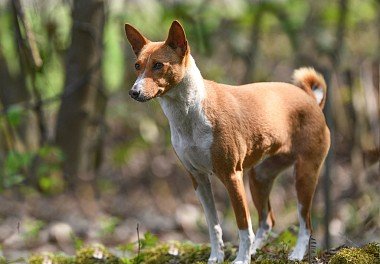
191	131
191	136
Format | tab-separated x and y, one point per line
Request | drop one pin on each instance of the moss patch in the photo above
275	252
368	254
51	259
373	249
96	254
186	253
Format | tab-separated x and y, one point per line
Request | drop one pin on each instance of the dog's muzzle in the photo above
134	93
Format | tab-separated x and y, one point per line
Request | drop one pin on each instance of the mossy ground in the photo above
152	252
368	254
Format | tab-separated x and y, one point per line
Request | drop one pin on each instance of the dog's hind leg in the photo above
307	173
261	181
204	193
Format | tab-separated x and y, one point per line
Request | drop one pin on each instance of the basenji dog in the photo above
218	129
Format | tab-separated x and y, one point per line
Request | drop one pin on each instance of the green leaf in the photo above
14	114
16	161
149	240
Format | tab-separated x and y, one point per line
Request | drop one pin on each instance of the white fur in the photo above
204	193
191	132
319	94
246	238
191	136
263	231
139	83
261	236
302	240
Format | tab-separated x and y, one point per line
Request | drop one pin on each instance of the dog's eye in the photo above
157	66
137	66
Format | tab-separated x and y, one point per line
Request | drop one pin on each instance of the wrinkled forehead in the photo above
158	52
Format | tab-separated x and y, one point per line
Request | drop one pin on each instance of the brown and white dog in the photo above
220	130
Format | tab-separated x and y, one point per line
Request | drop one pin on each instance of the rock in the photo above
187	215
61	233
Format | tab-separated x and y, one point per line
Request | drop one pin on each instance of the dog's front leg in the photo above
203	189
235	187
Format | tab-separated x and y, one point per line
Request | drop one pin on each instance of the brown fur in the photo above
158	82
260	120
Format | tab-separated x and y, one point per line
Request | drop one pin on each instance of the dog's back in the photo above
263	119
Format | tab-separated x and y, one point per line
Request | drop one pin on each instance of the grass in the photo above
150	251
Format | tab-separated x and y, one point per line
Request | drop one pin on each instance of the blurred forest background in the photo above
77	155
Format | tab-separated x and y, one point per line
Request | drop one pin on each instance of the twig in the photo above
138	242
348	240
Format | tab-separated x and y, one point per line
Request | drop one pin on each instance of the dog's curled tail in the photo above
312	83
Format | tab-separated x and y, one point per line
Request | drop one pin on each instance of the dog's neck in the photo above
185	98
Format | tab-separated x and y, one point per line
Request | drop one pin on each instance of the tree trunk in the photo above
251	57
13	91
77	119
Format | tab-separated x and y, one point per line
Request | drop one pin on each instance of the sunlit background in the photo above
81	161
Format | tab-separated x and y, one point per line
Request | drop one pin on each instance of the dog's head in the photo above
159	65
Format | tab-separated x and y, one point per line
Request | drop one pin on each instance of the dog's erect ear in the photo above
177	39
135	38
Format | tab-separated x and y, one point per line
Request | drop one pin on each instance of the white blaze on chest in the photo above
191	131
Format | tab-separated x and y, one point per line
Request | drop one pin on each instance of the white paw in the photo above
297	254
216	258
246	238
261	237
301	246
241	261
258	244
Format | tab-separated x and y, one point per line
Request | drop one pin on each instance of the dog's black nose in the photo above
134	93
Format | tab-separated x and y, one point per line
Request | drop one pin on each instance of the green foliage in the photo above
7	43
49	173
114	61
288	237
51	258
15	161
277	254
188	253
52	30
108	225
175	252
12	171
149	240
127	248
47	160
14	115
32	229
96	254
78	243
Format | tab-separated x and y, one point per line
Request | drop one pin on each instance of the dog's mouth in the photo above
160	92
143	98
